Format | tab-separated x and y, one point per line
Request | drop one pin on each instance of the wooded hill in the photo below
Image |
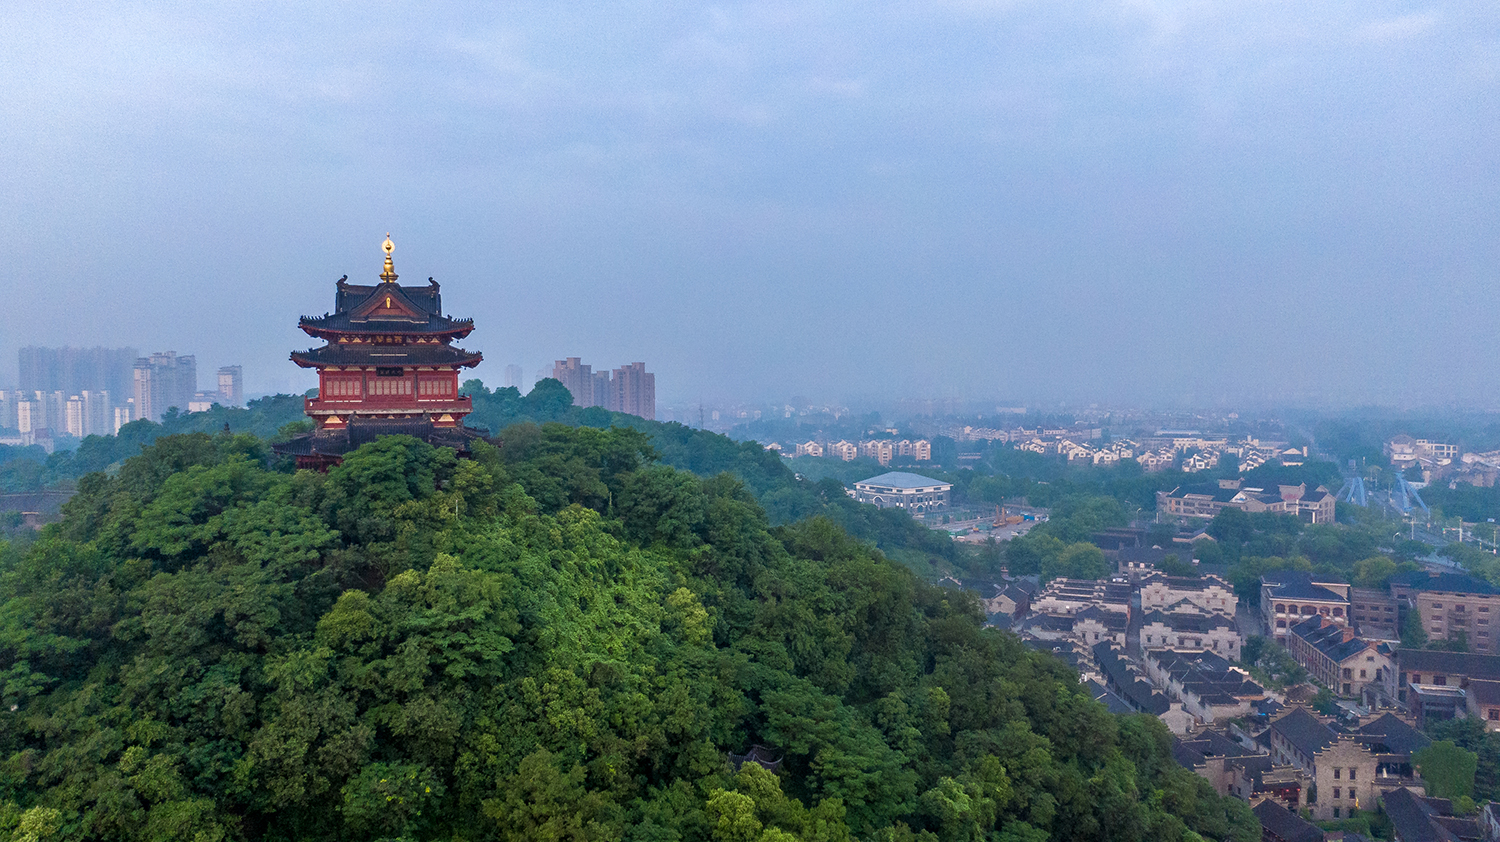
561	638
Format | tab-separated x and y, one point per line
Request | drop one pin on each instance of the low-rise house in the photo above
1012	600
1235	770
1278	824
1288	597
1069	596
1191	630
1137	562
1417	818
1342	662
1350	770
1126	680
1210	593
1482	701
1073	653
1207	685
1089	626
1419	670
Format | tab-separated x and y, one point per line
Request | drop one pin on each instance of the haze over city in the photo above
1146	202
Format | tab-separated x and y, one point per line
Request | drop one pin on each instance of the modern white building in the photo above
901	490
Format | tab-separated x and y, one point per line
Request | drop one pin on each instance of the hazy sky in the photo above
1137	201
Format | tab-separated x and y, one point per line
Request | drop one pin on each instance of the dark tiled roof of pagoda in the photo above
394	355
425	300
361	431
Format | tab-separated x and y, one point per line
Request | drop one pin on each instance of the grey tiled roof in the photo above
1305	731
1285	824
903	480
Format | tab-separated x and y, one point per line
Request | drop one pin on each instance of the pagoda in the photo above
389	367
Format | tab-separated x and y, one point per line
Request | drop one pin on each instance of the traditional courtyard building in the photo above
1351	769
1209	593
1190	629
388	366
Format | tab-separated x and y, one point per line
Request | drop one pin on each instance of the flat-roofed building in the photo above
1436	668
901	490
1453	605
1375	613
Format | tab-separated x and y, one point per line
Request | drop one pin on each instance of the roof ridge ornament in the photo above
389	275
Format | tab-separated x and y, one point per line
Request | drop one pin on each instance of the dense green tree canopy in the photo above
560	638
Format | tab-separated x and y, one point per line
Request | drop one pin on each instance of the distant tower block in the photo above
232	385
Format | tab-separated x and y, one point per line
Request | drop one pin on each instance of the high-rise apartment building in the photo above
89	414
633	391
73	370
8	399
231	385
578	377
124	414
629	389
513	375
164	380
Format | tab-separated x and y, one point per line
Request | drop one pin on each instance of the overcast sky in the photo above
1129	202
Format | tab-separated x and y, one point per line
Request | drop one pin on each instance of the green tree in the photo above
1447	769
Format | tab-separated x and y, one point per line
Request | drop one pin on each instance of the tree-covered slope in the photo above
558	639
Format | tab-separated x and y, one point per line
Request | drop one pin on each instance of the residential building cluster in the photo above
1442	461
630	389
884	451
1346	638
1077	451
1205	500
1185	636
1187	452
1191	452
94	391
1017	435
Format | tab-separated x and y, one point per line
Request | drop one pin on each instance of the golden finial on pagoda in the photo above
389	275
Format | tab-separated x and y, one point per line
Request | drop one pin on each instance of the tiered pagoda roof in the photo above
389	368
383	308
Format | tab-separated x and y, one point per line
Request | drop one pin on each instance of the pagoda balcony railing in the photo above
376	403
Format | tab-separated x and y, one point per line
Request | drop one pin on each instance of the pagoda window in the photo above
435	387
390	386
340	387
